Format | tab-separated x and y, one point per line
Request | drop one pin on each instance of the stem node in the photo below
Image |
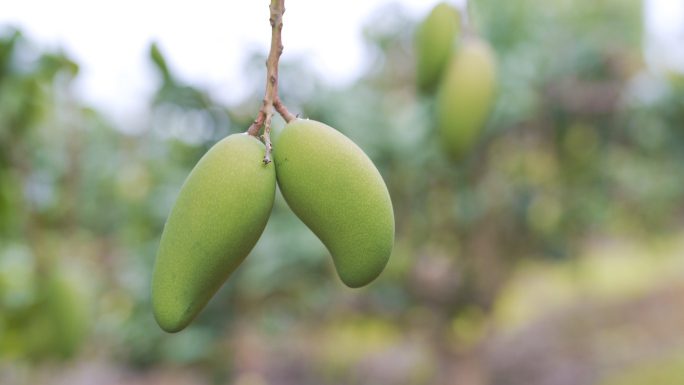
271	100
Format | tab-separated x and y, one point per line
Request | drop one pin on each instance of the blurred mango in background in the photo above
551	252
436	37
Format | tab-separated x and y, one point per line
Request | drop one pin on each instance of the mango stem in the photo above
271	100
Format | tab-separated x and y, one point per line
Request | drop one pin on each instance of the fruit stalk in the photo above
271	100
467	27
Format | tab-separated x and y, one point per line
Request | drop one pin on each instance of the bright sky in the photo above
206	41
664	21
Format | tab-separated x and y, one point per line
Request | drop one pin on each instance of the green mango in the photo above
36	338
218	217
68	306
466	96
434	42
335	189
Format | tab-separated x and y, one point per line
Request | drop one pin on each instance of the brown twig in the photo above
287	115
271	100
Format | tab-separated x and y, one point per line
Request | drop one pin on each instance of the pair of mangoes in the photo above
225	203
463	73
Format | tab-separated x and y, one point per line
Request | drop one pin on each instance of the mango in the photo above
69	310
466	96
218	217
335	189
434	43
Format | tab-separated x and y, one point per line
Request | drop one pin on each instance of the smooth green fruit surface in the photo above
434	44
335	189
218	217
466	96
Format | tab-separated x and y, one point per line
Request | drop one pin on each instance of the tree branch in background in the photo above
271	100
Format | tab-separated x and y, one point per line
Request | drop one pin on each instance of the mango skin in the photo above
218	217
335	189
466	96
434	43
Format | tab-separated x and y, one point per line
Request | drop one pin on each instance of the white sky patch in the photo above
664	40
207	42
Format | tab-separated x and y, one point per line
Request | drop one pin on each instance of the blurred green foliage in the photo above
579	147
